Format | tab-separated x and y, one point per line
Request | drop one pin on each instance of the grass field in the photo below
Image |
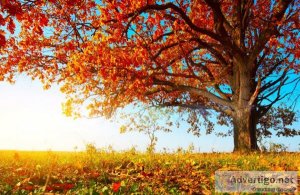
129	172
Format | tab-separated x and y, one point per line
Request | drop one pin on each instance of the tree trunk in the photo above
244	117
244	122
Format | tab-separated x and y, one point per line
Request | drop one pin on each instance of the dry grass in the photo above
101	172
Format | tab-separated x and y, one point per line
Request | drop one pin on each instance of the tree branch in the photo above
193	90
272	83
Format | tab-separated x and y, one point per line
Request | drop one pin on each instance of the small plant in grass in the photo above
277	147
148	121
91	152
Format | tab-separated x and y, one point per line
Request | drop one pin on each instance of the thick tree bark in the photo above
245	117
245	139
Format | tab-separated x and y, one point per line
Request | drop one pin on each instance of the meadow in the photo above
129	172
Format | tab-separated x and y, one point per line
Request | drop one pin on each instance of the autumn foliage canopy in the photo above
234	61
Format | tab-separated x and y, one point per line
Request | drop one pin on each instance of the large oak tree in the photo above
235	60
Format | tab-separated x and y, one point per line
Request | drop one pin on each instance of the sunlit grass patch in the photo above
108	172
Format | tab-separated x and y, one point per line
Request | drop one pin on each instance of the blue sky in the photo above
31	119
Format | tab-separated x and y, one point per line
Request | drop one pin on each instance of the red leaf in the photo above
2	39
13	8
19	16
116	186
2	20
49	188
44	20
68	186
38	29
28	187
11	26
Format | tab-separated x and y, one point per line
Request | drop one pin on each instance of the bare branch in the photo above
256	92
193	90
272	83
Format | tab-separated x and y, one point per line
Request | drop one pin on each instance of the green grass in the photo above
100	172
